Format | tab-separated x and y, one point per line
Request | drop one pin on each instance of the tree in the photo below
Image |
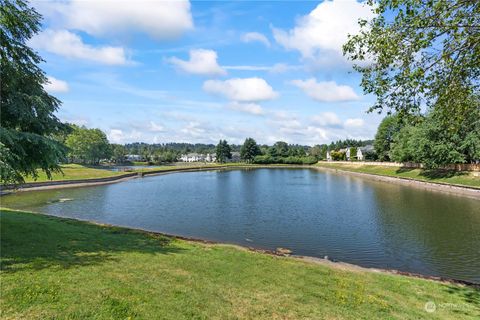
319	151
433	145
384	136
223	151
404	148
27	111
420	53
338	155
249	150
118	152
88	145
279	149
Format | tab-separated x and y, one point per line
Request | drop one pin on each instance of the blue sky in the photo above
158	71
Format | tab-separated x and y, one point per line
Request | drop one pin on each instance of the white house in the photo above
235	157
362	151
347	152
360	154
329	156
133	157
211	157
192	157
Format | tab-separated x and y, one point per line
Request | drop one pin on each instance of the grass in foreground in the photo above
66	269
438	176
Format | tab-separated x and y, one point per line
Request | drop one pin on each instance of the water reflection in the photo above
315	213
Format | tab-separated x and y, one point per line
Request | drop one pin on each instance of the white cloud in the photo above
255	37
160	19
153	127
319	36
251	108
283	67
70	45
194	129
118	136
115	136
276	68
56	85
201	61
357	122
79	121
326	91
327	119
241	89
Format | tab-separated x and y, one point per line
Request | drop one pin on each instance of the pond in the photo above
312	212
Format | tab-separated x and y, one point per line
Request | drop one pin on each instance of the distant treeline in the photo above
142	148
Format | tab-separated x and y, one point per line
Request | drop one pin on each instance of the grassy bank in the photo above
438	176
74	172
77	171
59	268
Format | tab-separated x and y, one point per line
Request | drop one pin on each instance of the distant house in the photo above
133	157
329	156
360	155
362	151
347	152
211	157
235	157
192	157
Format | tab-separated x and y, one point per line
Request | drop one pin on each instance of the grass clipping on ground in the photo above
62	268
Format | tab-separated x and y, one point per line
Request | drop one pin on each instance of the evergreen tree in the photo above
223	151
28	122
249	150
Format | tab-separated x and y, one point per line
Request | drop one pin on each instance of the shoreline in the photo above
466	191
459	190
278	253
64	184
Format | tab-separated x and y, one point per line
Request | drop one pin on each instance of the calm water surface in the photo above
315	213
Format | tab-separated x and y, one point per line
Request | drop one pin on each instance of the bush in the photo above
268	159
338	155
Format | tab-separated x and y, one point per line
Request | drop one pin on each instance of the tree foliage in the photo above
384	136
27	120
118	152
88	145
417	53
249	150
223	151
338	155
319	151
430	143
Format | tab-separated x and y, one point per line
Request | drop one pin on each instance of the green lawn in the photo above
438	176
74	172
77	171
56	268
